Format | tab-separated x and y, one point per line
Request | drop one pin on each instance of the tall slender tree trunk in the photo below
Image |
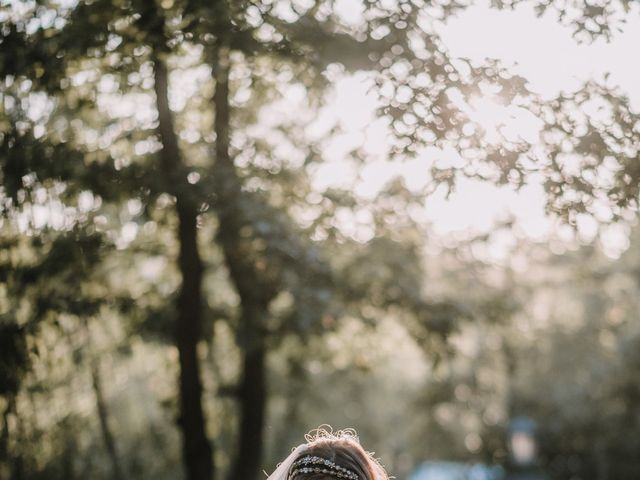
103	415
297	384
252	396
197	450
17	462
5	456
254	296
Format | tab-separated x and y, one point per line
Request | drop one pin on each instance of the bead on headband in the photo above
313	464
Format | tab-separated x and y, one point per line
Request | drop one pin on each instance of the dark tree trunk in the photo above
196	447
297	384
17	462
254	294
5	457
252	396
103	415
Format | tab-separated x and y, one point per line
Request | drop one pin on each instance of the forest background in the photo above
227	222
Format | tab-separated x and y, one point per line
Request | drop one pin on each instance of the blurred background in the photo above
224	223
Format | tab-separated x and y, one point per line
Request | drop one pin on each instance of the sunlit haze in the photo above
541	50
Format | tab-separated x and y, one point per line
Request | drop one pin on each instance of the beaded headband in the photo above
313	464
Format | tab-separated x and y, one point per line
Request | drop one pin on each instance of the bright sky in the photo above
541	50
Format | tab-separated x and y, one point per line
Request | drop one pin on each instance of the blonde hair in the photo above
343	448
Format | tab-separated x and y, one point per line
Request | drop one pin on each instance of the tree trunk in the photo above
196	447
297	385
5	457
254	295
252	396
103	416
17	463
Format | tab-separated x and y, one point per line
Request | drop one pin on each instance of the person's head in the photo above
334	456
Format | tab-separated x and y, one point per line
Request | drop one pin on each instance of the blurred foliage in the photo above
427	355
